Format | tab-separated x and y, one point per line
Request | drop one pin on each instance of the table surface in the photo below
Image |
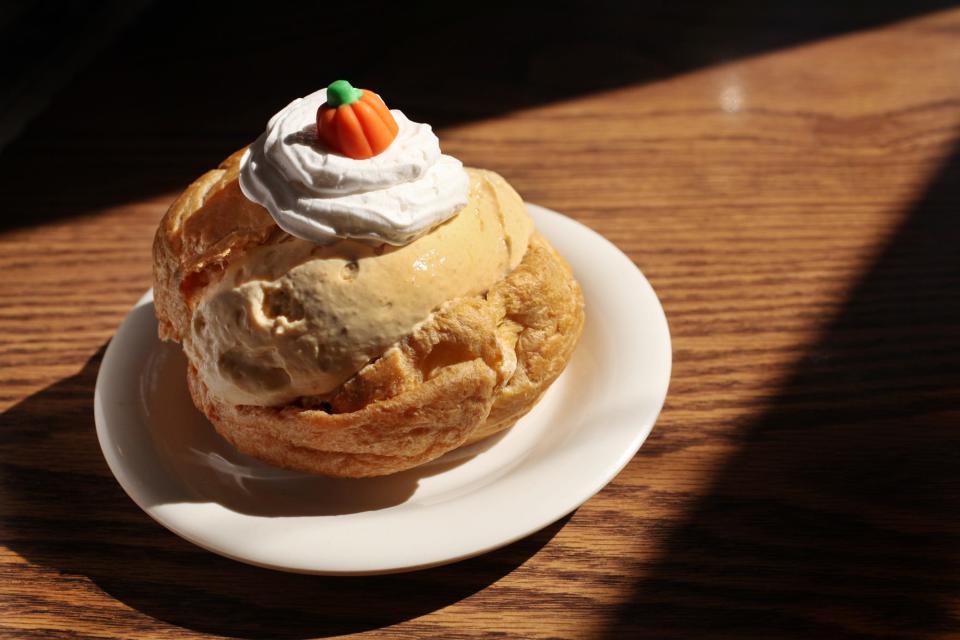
787	179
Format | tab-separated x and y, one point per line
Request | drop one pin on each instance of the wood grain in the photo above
797	209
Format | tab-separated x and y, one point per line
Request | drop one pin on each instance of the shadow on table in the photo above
188	83
839	514
62	509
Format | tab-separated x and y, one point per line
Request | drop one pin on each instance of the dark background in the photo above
186	83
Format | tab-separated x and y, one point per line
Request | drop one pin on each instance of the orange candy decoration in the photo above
355	122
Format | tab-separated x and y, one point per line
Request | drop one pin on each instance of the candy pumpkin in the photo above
355	122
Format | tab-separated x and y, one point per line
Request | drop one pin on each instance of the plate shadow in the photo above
63	509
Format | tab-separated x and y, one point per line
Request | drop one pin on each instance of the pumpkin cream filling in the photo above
293	318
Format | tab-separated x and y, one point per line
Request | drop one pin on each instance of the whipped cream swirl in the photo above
321	196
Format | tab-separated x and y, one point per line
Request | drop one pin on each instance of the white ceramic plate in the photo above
171	462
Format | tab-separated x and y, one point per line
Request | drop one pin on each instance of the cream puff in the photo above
351	301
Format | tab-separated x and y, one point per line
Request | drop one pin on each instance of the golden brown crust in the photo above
208	225
476	366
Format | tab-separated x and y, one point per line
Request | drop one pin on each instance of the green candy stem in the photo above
342	92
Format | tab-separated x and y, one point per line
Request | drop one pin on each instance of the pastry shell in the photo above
472	369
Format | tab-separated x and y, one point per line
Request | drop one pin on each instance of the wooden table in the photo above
787	179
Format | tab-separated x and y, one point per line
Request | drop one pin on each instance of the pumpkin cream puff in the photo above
351	301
